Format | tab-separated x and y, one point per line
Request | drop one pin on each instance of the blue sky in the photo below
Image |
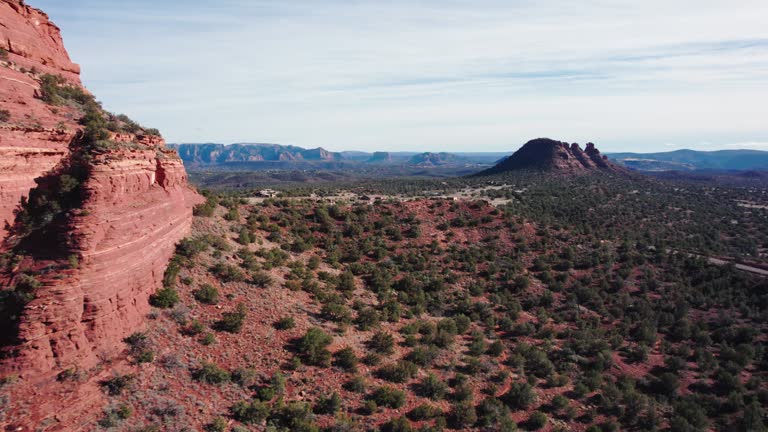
437	75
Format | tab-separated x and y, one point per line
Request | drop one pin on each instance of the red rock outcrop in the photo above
36	136
544	154
136	206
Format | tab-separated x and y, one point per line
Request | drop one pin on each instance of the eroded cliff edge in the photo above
91	207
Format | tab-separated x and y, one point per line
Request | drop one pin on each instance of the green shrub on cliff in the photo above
164	298
55	90
207	294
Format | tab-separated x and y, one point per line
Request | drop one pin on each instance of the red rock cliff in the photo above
137	205
36	136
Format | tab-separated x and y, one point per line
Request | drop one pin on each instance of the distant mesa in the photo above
435	159
380	157
544	154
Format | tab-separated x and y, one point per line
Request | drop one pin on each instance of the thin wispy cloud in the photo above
439	75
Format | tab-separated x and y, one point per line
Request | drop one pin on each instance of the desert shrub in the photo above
477	346
164	298
398	424
496	349
207	208
114	415
265	393
688	416
520	396
462	323
372	359
559	402
232	322
388	396
382	343
210	373
207	294
537	420
227	273
329	405
356	384
285	323
244	236
208	339
312	347
491	412
463	415
245	377
296	416
249	412
399	372
346	359
194	328
278	383
191	247
423	356
666	384
432	387
139	347
218	424
336	312
55	90
367	318
261	279
114	386
5	115
424	412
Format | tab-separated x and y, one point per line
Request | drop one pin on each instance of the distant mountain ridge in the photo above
277	156
693	160
544	154
213	154
259	156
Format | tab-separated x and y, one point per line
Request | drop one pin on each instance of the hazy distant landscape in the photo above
257	165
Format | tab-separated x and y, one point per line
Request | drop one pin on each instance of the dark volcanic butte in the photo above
545	154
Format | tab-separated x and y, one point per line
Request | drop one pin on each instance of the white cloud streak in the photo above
441	75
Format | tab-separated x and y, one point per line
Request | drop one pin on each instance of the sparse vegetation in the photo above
538	318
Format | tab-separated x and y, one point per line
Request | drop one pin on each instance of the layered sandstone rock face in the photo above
137	206
36	136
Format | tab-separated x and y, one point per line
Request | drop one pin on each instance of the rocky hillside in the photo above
544	154
93	205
